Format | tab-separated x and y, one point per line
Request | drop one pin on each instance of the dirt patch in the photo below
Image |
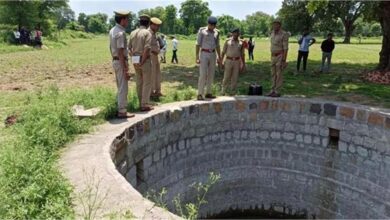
378	77
41	75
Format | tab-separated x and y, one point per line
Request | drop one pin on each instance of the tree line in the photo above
344	18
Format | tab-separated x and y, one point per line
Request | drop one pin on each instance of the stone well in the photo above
294	156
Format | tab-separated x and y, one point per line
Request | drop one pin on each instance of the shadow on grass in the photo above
343	83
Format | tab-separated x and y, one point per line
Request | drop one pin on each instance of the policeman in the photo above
206	44
139	48
279	50
234	63
155	50
119	55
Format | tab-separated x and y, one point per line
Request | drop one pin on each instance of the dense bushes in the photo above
6	33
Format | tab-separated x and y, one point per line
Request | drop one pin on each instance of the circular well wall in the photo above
293	156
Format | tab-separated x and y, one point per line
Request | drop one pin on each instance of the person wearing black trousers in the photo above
175	43
251	47
304	43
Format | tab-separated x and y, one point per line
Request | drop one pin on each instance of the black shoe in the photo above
200	98
210	96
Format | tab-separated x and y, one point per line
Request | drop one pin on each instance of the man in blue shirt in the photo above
304	43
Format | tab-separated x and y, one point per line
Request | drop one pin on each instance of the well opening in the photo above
277	158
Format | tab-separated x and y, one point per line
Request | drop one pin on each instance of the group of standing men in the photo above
232	59
143	49
25	36
327	47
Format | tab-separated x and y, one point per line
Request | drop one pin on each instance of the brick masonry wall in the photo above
271	153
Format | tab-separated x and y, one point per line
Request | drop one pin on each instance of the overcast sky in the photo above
235	8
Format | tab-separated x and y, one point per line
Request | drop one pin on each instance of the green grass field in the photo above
343	84
40	86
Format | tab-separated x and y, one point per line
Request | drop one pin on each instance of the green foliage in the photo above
295	16
340	17
347	11
367	29
46	14
180	94
20	13
31	186
6	33
94	23
153	12
194	14
158	197
73	25
64	16
226	23
83	20
97	23
258	24
191	210
170	20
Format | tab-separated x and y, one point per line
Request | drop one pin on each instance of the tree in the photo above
64	16
179	27
226	23
47	14
295	16
383	12
39	13
20	13
170	19
82	20
97	23
258	23
194	14
347	11
158	12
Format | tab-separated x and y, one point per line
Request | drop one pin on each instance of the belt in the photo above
277	54
233	58
208	50
117	58
154	53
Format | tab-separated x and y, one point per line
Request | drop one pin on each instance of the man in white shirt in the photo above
175	43
304	43
17	36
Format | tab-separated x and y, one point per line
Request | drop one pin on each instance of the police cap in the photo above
212	20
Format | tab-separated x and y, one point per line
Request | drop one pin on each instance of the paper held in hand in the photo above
136	59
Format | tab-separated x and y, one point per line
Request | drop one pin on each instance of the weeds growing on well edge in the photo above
189	210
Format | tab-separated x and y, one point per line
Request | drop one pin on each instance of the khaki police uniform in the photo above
208	41
279	43
118	40
234	51
156	71
141	39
